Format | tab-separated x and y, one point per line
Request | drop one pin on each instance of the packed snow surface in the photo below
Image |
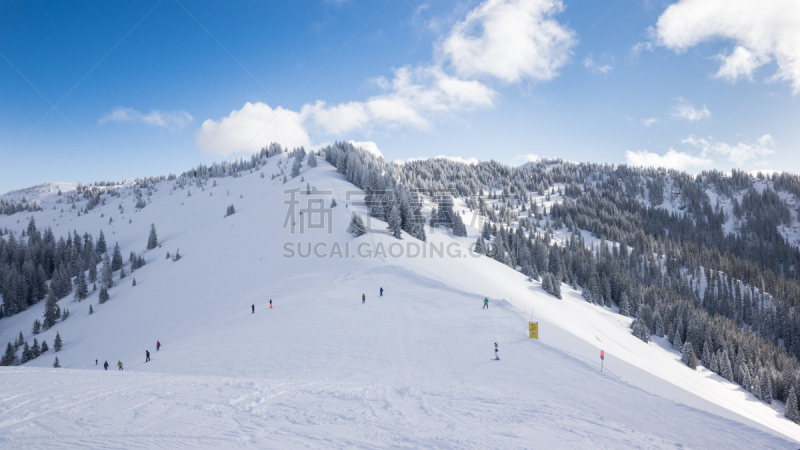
413	368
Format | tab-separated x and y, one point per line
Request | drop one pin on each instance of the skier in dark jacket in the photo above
363	298
105	365
381	292
497	358
147	353
253	306
270	303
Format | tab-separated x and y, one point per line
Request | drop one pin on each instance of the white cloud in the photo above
337	119
530	157
510	40
506	39
737	154
740	63
368	146
670	160
762	31
525	159
686	110
425	22
590	65
637	49
250	128
164	119
414	97
650	121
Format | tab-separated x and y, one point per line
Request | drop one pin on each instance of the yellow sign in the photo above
533	330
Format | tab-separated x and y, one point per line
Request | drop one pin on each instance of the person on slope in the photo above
105	365
119	364
485	303
497	358
158	346
381	292
270	303
95	362
363	298
253	306
147	355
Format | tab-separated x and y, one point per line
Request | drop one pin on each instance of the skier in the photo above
95	362
119	364
486	303
158	346
105	365
496	358
270	303
147	353
363	298
253	306
381	292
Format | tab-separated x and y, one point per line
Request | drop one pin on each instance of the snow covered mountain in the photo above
741	199
322	368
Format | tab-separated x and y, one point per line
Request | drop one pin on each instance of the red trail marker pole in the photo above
602	359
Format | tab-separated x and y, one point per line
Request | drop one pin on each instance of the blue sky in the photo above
112	90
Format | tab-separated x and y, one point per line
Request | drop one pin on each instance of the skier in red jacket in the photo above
158	346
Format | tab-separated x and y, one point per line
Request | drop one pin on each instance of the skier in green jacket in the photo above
485	303
119	364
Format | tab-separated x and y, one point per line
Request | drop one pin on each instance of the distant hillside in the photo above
699	330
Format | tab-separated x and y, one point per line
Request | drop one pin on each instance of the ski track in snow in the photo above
410	369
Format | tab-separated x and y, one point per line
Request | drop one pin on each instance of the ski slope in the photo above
413	368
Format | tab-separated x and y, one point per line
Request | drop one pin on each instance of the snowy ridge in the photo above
321	369
40	191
